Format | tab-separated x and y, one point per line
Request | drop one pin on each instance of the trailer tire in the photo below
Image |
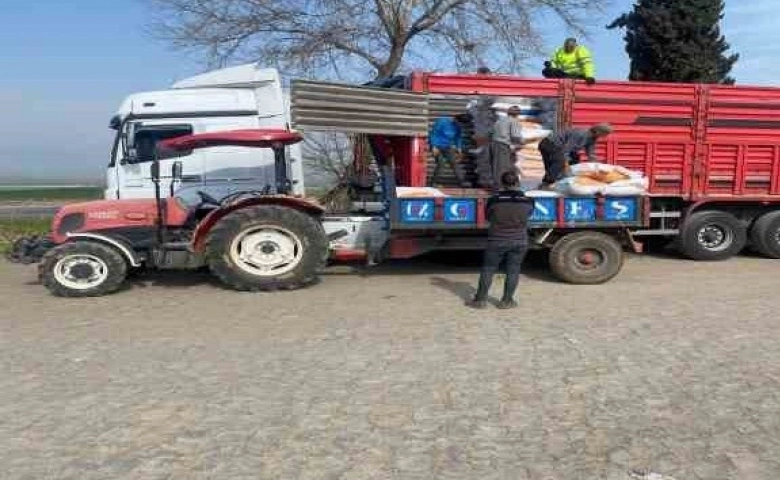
266	248
712	235
82	269
586	258
765	235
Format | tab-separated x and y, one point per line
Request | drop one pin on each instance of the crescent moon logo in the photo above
455	210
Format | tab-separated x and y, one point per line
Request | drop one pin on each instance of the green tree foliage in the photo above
677	41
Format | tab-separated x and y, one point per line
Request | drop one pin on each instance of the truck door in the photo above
134	179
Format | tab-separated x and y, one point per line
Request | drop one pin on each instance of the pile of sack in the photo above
604	179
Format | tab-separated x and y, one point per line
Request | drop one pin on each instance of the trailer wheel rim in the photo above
80	271
266	251
715	238
589	259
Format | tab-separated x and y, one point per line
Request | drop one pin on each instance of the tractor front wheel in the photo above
82	269
267	248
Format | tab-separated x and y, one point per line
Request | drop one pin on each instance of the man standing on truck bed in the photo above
562	148
506	140
508	212
571	61
446	142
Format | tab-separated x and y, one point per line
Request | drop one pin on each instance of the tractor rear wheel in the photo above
82	269
267	248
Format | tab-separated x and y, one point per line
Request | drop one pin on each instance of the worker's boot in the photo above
507	304
477	303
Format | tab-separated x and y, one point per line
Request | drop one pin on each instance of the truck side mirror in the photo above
177	171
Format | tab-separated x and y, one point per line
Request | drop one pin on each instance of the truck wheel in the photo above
712	235
267	248
82	269
765	235
586	258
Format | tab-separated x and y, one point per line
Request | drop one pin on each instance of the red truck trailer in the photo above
711	153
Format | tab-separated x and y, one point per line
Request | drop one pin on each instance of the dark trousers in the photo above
502	160
511	254
554	159
446	156
550	72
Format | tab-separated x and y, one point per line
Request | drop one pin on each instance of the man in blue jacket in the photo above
446	142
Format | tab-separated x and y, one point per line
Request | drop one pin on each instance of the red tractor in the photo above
251	240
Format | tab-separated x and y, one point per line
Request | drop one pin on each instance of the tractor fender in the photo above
208	222
127	252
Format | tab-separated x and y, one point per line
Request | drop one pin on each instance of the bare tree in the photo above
351	38
331	168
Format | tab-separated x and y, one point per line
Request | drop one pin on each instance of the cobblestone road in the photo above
673	367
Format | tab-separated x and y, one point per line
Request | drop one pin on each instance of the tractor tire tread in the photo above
308	229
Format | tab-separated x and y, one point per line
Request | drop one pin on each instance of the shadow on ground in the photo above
437	265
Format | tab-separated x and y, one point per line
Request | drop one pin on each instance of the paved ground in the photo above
673	367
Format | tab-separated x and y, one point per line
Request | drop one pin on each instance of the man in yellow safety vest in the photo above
571	61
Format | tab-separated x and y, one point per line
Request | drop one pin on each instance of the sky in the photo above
67	65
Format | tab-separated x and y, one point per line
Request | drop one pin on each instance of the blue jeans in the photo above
446	155
511	254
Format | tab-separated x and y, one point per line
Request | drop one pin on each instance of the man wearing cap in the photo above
506	140
571	61
562	149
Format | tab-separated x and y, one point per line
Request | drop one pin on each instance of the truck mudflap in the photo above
30	249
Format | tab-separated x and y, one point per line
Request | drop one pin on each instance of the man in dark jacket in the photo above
562	149
508	212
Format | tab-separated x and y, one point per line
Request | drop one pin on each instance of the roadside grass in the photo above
49	194
14	228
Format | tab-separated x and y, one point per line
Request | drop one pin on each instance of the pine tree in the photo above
677	41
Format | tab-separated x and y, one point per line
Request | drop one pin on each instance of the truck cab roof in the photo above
235	91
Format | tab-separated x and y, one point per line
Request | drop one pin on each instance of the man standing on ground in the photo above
508	212
506	140
562	149
446	141
571	61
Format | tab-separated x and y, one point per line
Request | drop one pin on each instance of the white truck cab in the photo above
245	96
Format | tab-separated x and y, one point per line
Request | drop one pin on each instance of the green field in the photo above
44	194
11	229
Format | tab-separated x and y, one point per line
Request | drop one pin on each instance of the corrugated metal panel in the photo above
355	109
743	127
663	111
